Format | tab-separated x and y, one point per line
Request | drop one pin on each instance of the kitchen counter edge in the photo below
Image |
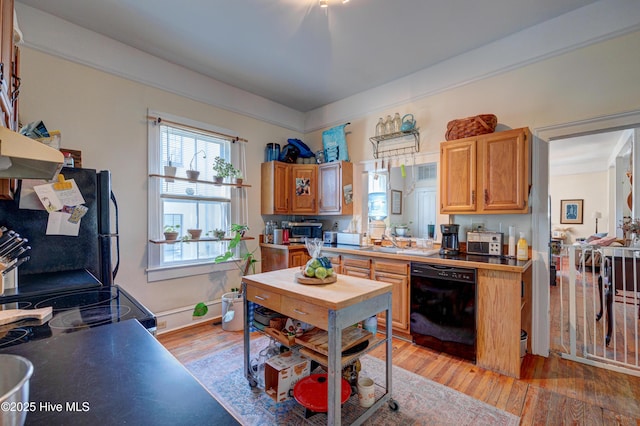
478	262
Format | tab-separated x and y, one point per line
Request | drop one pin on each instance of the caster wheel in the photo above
394	405
252	382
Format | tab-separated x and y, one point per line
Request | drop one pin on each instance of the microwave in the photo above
298	231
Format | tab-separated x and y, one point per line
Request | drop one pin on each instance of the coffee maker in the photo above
450	245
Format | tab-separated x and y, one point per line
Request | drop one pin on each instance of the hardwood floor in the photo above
552	391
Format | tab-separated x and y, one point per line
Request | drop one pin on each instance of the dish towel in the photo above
335	144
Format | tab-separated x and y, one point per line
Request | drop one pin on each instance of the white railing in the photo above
596	304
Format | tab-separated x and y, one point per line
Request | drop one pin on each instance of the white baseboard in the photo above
182	317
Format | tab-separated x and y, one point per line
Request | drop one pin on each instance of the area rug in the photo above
421	401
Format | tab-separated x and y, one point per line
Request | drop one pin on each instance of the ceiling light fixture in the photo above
325	3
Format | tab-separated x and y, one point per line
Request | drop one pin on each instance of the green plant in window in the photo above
222	168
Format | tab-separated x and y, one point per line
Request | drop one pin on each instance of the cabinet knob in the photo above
486	196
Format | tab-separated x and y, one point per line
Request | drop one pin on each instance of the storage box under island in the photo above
282	372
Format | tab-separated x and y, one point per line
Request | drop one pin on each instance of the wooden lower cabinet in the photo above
277	257
503	310
397	274
298	257
355	266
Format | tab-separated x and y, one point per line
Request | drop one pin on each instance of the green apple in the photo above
310	272
321	272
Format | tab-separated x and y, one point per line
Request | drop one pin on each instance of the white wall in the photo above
593	188
104	116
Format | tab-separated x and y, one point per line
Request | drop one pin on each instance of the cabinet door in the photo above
6	59
272	259
335	195
399	299
298	258
397	274
458	176
274	195
503	163
304	179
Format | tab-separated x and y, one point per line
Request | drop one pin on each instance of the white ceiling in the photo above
586	154
297	54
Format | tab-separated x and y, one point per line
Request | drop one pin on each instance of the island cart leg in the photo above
247	342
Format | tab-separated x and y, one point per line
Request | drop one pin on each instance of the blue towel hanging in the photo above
335	144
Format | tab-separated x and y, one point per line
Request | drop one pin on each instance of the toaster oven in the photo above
486	243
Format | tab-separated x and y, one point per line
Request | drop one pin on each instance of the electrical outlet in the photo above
478	227
161	325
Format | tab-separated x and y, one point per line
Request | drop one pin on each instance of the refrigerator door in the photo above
55	253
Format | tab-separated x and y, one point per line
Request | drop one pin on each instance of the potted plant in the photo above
171	232
244	262
222	169
194	233
193	174
170	170
218	234
238	176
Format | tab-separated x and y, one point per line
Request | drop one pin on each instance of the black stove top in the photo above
74	311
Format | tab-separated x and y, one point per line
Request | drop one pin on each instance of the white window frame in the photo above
155	270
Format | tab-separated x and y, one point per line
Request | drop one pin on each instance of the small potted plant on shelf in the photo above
238	176
192	173
218	234
194	234
222	169
171	232
170	170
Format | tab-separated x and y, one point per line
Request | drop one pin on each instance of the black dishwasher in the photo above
443	308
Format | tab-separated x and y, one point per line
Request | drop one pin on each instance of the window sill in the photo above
162	273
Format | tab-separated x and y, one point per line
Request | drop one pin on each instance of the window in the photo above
188	145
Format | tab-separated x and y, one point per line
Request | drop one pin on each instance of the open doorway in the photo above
590	166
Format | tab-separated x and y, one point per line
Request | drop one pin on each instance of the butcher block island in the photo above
330	307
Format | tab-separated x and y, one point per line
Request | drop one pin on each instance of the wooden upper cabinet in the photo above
458	176
275	188
486	174
6	63
504	169
9	83
304	189
333	178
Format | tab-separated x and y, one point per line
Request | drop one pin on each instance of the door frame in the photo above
540	221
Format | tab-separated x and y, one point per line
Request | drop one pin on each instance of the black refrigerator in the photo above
90	258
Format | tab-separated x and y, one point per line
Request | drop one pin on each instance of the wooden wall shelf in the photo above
199	240
207	182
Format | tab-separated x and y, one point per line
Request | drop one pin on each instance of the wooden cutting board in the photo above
318	340
13	315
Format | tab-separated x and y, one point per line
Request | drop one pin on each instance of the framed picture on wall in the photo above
396	202
571	211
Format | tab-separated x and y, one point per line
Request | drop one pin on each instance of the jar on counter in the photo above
68	159
268	232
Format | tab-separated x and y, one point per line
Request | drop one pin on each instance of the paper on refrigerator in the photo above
64	207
